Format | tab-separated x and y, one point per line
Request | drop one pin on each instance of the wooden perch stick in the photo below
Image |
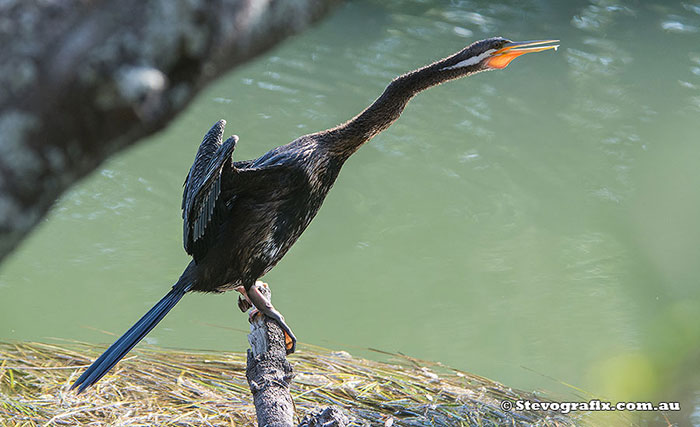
269	373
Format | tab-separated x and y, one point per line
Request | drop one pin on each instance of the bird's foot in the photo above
243	301
290	341
258	294
244	304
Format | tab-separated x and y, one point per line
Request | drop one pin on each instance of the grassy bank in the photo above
172	387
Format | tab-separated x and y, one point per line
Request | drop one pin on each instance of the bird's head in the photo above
492	54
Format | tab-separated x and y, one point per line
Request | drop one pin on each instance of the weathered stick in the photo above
269	373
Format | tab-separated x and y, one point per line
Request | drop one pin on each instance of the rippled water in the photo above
536	225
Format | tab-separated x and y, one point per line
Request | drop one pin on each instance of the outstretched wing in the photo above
201	207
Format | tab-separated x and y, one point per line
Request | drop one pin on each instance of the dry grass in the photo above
184	388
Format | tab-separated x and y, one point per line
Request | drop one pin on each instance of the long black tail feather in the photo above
132	337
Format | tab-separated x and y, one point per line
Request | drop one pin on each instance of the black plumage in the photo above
240	218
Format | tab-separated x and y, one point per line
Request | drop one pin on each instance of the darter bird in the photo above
241	217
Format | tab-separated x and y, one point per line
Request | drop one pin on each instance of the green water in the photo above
535	225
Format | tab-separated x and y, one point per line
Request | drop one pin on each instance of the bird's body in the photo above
267	203
241	217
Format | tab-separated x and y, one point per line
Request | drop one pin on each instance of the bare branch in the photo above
269	375
80	80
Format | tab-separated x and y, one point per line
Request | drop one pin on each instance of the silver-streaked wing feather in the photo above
200	199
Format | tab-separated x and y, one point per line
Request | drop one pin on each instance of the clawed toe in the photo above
290	342
244	304
259	296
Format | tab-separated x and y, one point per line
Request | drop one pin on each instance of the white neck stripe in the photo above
470	61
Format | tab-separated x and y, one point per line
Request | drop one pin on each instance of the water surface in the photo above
535	225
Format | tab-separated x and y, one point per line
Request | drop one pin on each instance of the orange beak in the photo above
502	57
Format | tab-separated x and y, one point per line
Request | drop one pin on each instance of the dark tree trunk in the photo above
80	80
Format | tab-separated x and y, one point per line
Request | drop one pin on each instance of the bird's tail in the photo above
132	337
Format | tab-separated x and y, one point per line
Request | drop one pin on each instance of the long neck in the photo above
345	139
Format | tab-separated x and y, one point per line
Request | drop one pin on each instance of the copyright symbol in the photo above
506	405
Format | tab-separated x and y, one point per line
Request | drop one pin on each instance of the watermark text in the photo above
591	405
